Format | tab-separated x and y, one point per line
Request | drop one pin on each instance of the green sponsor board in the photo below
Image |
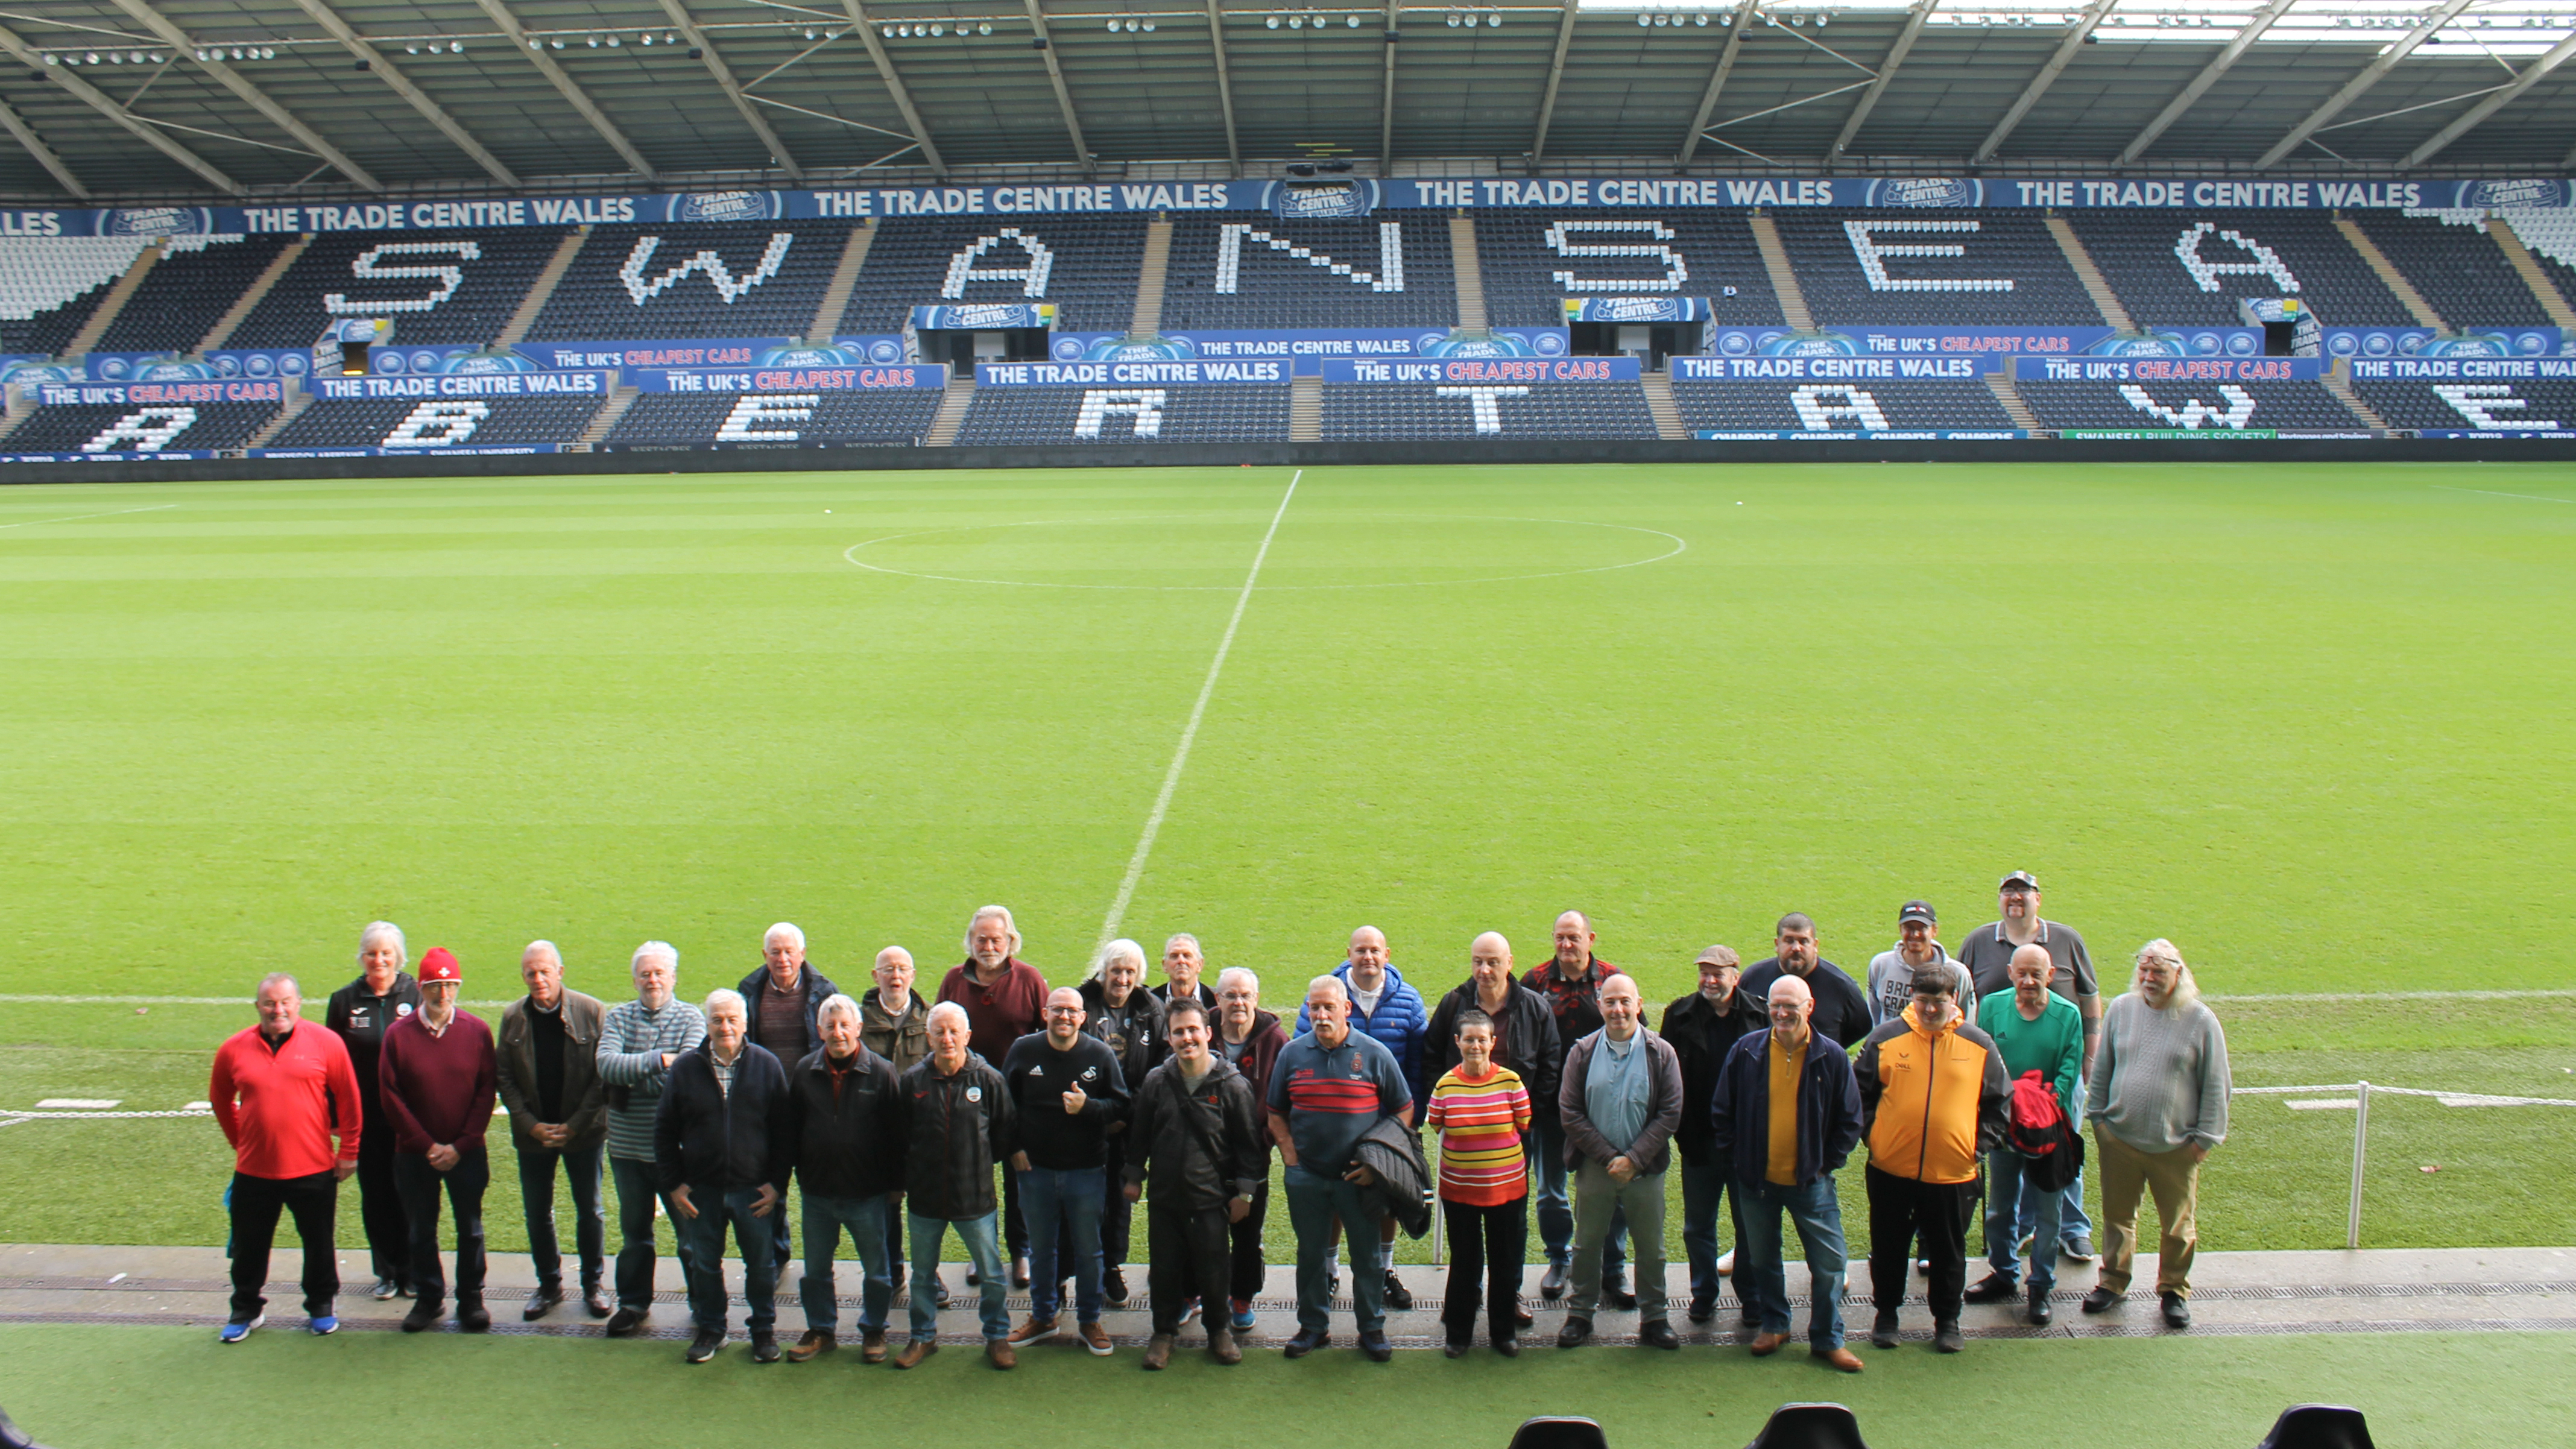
2117	434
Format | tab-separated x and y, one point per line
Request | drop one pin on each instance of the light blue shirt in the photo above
1617	1088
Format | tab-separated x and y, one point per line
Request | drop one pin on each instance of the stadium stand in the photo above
665	421
50	285
1881	267
2269	403
440	423
1251	270
197	278
129	428
693	280
2510	405
439	287
2140	254
2458	268
1531	262
1912	404
1355	411
1086	265
1204	413
2550	237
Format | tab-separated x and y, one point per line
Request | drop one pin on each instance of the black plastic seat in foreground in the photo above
1810	1426
1559	1431
2318	1426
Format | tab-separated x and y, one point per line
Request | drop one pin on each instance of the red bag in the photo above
2036	1128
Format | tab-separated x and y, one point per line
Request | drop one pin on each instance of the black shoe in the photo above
2177	1310
1746	1315
974	1279
1374	1344
2040	1313
424	1314
764	1348
1306	1341
1019	1272
1398	1297
1658	1334
596	1302
1454	1348
1702	1310
1575	1334
625	1322
1509	1346
1946	1337
541	1303
384	1290
472	1316
704	1346
1614	1292
1551	1284
1992	1288
1883	1331
1113	1287
2102	1300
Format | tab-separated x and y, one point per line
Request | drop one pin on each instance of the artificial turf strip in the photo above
2308	721
105	1387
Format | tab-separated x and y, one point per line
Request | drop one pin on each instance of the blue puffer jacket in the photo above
1400	1024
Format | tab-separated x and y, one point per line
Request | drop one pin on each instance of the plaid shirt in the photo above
1576	1003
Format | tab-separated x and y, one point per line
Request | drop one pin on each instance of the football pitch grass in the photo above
2308	721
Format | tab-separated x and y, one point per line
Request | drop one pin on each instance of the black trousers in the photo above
1246	1238
1015	1228
1189	1258
1115	1211
1486	1245
380	1206
256	1202
1902	1210
463	1184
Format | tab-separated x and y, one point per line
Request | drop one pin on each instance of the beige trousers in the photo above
2128	1175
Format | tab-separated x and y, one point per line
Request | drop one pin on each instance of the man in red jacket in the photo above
437	1075
282	1090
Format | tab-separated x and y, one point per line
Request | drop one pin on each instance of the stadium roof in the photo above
164	99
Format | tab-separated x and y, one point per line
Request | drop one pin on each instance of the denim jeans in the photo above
2008	1199
636	1194
589	1224
1764	1277
1314	1200
865	1220
1546	1156
976	1235
705	1234
2072	1221
1062	1204
463	1184
1704	1186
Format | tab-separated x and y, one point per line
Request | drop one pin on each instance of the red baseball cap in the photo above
439	964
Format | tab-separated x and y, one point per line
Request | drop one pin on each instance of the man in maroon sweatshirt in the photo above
1005	999
437	1076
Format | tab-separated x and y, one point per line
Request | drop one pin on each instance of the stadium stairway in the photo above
18	411
2552	301
2009	399
615	408
1156	265
2338	381
1658	387
113	303
515	330
1306	409
845	280
1784	280
1471	274
2387	270
296	403
222	331
952	413
2089	274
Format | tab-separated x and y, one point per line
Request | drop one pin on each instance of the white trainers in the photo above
1726	1263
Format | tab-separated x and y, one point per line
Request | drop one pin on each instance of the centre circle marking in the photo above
851	554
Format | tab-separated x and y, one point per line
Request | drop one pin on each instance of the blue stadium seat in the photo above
670	421
1523	253
692	280
1088	267
1252	270
1359	411
2239	254
1768	405
440	287
1194	413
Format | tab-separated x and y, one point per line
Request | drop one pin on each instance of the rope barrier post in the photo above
2360	1150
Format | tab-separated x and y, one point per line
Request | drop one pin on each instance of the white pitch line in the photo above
77	517
2491	493
1190	732
2392	996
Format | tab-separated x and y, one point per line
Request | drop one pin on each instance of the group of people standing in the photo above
894	1115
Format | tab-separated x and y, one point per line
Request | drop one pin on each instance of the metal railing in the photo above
2361	1124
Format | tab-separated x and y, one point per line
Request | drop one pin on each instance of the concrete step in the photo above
119	293
1659	401
2000	384
1471	273
2552	301
2339	382
2090	275
1150	275
845	280
2414	301
1784	281
296	402
952	413
222	331
606	419
515	331
1306	409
